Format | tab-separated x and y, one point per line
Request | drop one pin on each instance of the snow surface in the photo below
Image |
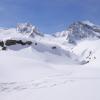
42	72
88	23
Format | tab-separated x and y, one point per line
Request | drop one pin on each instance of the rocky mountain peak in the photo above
28	29
82	30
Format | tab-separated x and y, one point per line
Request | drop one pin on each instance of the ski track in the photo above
47	82
50	81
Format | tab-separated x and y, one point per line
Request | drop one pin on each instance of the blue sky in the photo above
49	15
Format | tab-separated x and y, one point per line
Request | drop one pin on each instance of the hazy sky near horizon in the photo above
49	15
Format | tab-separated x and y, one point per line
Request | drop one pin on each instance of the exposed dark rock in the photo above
14	42
35	43
1	43
20	42
4	48
84	62
10	42
28	42
54	47
24	43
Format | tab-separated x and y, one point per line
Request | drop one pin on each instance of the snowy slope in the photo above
37	66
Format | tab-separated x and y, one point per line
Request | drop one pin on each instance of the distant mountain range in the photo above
61	44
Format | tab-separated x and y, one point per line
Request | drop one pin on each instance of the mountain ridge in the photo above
27	36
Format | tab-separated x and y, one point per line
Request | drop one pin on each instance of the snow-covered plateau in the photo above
60	66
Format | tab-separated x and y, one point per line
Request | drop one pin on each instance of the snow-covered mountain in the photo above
28	29
25	35
37	66
80	30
